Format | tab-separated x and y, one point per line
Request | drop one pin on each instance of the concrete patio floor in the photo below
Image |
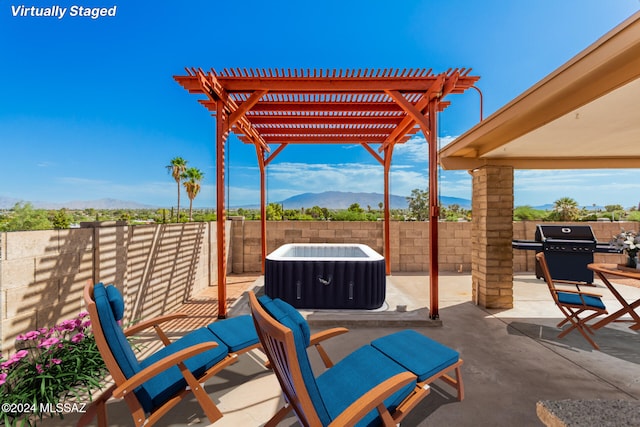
513	359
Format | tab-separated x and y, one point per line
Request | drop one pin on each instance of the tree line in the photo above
567	209
23	216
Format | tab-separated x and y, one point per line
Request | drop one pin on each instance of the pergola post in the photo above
263	205
387	209
222	131
434	208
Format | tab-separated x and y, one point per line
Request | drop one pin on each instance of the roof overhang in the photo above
584	115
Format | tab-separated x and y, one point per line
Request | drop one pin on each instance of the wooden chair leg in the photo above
98	408
279	416
455	382
210	409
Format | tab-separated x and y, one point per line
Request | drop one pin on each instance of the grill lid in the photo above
564	232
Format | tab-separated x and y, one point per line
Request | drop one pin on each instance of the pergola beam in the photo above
355	106
246	106
409	122
324	119
306	84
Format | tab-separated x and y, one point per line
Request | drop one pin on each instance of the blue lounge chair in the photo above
378	384
153	386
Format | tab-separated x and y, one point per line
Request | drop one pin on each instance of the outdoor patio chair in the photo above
573	303
154	385
378	384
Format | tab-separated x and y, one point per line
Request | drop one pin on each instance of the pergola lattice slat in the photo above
366	106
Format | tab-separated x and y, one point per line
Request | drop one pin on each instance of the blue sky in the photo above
89	108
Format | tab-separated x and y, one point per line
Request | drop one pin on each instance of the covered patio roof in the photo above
584	115
266	107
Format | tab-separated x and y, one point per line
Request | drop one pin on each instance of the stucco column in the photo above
492	232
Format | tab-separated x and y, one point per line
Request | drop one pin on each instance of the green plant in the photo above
50	366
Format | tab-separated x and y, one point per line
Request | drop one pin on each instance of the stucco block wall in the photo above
157	267
409	242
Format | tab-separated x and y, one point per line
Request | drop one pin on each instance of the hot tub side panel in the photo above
331	284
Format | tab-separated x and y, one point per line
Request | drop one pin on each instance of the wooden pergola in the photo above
276	107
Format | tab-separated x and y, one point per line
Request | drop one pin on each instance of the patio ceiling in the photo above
584	115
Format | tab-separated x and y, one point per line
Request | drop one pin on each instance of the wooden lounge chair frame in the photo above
279	345
123	387
574	309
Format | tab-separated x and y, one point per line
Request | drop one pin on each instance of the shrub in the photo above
49	366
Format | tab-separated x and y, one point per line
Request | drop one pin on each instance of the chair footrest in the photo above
417	353
237	333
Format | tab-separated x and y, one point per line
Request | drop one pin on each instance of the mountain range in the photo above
342	200
327	199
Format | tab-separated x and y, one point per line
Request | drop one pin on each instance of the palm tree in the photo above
566	208
176	168
192	178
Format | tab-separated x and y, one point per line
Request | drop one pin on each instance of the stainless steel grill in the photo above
568	249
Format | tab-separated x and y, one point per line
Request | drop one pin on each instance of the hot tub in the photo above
336	276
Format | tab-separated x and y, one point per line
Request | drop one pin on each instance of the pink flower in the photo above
3	378
55	362
77	337
67	325
39	368
20	354
14	359
82	314
28	336
48	342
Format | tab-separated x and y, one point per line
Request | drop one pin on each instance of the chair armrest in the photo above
589	294
372	399
155	324
326	334
318	337
151	323
160	366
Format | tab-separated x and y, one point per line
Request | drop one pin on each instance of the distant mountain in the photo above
342	200
8	202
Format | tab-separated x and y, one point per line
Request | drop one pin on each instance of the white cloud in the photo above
417	149
587	187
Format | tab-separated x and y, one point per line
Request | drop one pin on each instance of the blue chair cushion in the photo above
162	387
574	299
116	301
293	320
237	332
417	353
120	347
354	376
295	315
